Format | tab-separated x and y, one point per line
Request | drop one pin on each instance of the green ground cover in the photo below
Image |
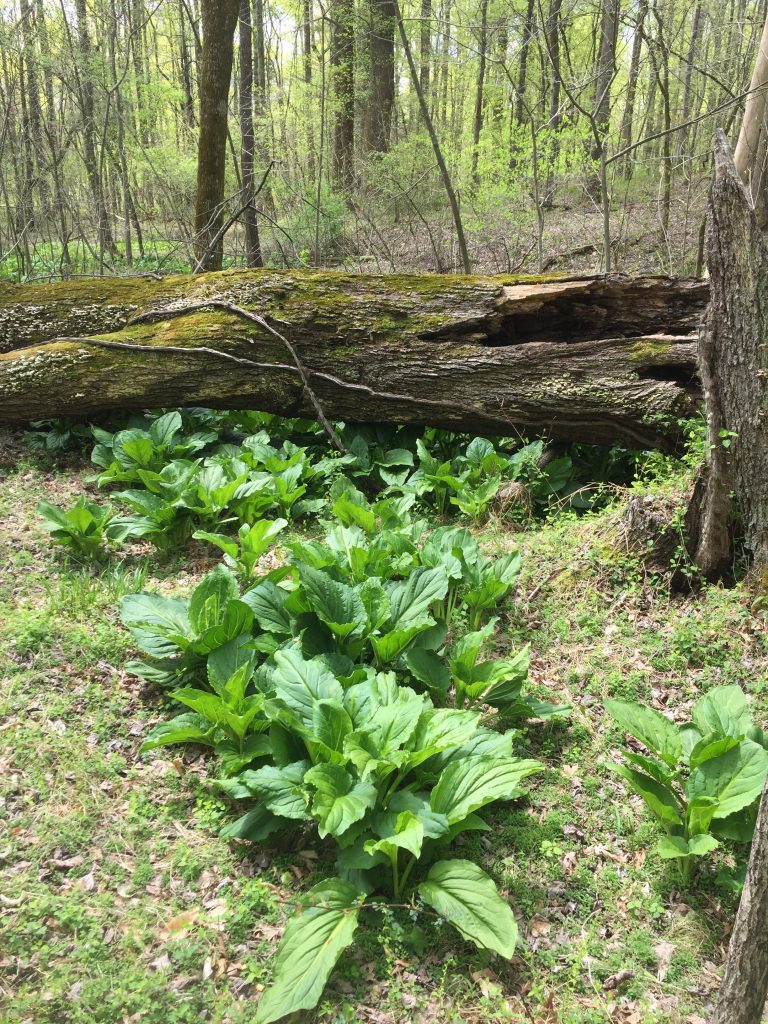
120	902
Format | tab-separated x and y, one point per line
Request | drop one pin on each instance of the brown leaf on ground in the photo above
181	923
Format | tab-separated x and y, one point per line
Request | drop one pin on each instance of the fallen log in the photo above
595	359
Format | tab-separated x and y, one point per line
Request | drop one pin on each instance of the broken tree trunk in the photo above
733	356
745	982
598	359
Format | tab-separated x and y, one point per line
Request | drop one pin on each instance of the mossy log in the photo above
596	359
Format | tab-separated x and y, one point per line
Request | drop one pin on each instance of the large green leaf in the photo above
391	645
187	728
407	834
659	798
340	800
160	625
439	729
392	725
210	597
331	725
410	600
267	601
435	825
301	684
256	825
338	605
735	779
471	783
465	653
133	448
236	621
313	942
723	711
464	895
281	789
429	668
164	428
649	726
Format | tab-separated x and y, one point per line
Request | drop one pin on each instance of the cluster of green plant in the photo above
201	471
336	690
57	435
86	528
353	689
326	737
704	780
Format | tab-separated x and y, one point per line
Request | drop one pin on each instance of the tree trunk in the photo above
752	136
604	71
734	368
219	21
634	69
87	109
377	117
596	359
466	263
425	45
247	138
745	982
342	13
552	34
477	121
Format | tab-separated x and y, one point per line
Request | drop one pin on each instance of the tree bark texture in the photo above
247	137
219	22
342	14
380	100
745	981
734	367
595	359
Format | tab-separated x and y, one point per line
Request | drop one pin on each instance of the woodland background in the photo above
99	108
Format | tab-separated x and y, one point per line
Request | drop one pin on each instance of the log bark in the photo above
595	359
745	982
733	357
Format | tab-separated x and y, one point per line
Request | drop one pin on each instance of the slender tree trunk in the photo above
693	46
425	45
343	82
754	132
122	162
466	263
518	108
445	61
33	106
87	107
188	103
553	51
219	22
634	70
522	73
604	72
247	140
306	60
477	122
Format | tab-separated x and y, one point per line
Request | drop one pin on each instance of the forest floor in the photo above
118	903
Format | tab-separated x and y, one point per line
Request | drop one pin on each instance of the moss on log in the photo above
602	359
